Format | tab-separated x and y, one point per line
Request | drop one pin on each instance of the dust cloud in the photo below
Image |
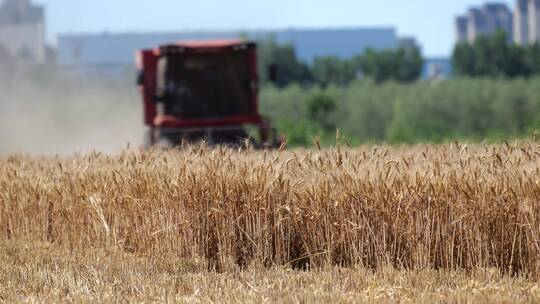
55	112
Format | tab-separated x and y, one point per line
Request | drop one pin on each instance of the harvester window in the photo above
206	85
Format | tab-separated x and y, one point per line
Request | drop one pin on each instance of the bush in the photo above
466	108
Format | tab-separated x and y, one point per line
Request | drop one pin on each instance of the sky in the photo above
430	21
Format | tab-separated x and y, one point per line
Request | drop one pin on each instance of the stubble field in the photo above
444	223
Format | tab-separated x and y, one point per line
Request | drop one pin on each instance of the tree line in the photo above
493	56
402	65
375	97
488	56
472	109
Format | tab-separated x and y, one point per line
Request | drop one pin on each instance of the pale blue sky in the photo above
431	21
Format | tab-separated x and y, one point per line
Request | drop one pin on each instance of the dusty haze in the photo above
57	112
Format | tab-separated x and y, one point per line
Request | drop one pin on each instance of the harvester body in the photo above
195	91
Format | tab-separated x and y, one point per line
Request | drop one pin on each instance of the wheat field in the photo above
450	223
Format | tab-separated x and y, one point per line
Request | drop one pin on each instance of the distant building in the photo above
476	24
500	17
534	21
485	20
22	31
437	68
521	22
111	51
461	30
20	12
527	22
408	43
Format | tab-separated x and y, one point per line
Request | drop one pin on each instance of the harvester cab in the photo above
194	91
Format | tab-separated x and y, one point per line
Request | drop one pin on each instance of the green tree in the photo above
532	57
289	69
410	64
320	108
333	70
492	56
403	65
463	60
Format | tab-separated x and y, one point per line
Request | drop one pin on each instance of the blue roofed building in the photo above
114	53
437	68
118	50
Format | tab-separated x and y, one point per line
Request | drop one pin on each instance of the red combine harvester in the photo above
194	91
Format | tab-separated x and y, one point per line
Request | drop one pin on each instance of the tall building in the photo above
461	30
20	12
476	24
521	22
485	20
499	17
534	20
22	30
